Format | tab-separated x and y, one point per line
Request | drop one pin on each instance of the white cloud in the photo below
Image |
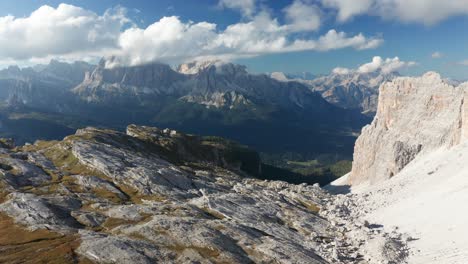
420	11
437	55
372	66
70	33
303	16
341	71
347	9
334	40
170	39
59	31
464	63
386	66
247	7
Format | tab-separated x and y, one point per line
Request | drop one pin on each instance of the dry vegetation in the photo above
19	245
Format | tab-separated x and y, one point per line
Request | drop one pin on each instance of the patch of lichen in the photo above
206	252
108	195
253	253
309	205
112	222
37	146
19	245
3	191
62	157
136	197
8	143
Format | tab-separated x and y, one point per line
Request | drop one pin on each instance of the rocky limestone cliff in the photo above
414	116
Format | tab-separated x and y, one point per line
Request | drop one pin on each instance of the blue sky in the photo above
388	32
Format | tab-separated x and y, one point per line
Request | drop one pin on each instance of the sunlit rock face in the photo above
414	116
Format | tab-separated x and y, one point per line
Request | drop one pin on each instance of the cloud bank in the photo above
72	32
377	64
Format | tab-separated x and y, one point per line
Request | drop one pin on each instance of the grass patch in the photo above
309	205
3	192
205	252
304	163
18	245
112	222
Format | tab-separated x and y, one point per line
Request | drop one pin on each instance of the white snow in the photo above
428	200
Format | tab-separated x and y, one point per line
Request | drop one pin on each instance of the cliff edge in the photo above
414	116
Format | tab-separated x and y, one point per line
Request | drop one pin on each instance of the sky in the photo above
318	36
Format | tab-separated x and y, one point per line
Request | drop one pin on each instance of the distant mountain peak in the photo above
279	76
350	90
217	66
195	67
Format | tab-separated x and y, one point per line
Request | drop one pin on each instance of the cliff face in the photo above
414	116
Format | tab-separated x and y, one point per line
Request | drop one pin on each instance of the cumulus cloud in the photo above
386	66
437	55
463	63
333	40
59	31
247	7
420	11
303	16
69	32
171	39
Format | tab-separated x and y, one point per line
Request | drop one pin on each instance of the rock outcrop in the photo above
414	116
160	196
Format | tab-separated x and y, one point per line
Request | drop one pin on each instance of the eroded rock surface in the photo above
153	195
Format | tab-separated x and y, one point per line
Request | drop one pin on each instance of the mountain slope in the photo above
425	201
409	175
153	195
415	116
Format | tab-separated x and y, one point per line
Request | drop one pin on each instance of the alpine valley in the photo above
284	120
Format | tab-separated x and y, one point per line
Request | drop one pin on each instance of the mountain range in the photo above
208	98
101	195
353	90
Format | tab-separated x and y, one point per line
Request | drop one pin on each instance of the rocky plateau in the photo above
151	195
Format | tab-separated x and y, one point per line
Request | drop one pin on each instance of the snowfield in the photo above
427	201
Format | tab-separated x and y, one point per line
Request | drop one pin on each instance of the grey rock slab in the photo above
36	213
